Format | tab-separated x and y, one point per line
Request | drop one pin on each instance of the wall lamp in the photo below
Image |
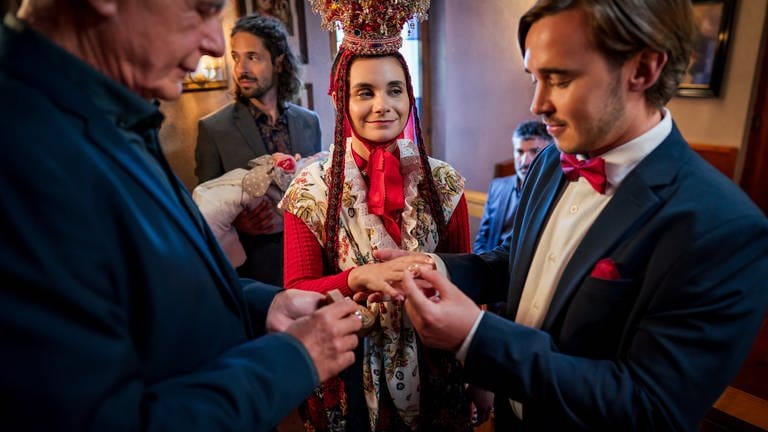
211	74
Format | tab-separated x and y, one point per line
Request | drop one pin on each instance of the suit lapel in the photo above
293	131
543	186
247	126
635	201
619	218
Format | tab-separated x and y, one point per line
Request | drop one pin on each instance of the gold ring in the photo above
415	270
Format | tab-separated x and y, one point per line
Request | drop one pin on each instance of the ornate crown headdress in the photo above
370	26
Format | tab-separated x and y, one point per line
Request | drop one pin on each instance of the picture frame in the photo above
306	97
714	20
290	13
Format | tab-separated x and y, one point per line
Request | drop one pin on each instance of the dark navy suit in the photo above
118	311
650	351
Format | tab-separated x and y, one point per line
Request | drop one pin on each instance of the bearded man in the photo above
260	121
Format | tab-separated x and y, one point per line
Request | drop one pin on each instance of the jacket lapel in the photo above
543	185
635	201
294	131
247	126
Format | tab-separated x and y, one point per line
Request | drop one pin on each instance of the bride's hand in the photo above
384	277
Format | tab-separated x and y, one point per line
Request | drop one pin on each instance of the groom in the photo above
635	274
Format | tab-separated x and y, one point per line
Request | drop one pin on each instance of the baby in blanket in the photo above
221	199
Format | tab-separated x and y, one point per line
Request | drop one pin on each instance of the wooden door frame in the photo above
754	177
426	87
744	404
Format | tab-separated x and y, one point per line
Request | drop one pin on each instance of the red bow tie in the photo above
593	170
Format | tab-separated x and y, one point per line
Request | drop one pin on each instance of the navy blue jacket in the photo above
650	351
118	311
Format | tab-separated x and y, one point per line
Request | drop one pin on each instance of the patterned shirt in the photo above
275	137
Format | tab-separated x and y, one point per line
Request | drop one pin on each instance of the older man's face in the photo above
156	42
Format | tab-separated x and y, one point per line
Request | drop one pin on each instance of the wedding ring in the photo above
415	270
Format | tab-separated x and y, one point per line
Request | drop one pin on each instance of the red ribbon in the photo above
385	187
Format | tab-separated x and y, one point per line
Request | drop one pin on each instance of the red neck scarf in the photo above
385	183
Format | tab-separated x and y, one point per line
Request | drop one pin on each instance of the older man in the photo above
118	311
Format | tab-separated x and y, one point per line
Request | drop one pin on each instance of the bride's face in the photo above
378	98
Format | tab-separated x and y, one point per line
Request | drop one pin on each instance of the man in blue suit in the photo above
528	139
117	308
635	273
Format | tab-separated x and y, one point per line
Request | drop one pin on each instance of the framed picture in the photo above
705	70
290	13
306	98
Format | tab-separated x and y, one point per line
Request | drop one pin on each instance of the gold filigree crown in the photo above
370	26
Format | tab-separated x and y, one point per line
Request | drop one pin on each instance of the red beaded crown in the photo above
370	26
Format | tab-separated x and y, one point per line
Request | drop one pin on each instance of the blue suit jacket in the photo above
118	311
651	351
499	208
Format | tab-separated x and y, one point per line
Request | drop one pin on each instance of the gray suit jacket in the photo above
228	138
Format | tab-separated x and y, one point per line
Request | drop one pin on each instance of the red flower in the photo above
288	164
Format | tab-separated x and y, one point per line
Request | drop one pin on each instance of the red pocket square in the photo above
606	269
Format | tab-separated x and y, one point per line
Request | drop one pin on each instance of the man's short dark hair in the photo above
532	129
272	33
